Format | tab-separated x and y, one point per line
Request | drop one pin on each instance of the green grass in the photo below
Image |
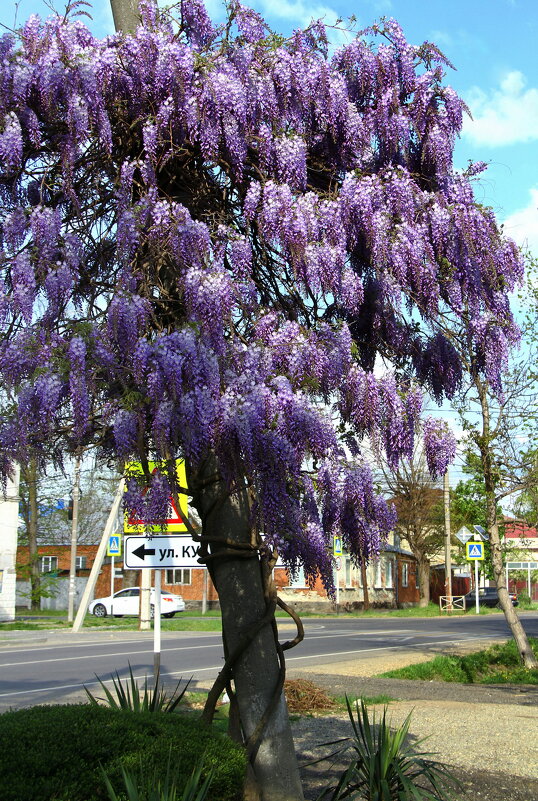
369	700
184	621
193	620
499	664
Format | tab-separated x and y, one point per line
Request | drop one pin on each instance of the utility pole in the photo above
448	555
74	539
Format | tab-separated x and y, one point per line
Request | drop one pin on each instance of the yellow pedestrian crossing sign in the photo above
114	545
474	550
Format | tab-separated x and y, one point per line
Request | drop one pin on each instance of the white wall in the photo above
9	518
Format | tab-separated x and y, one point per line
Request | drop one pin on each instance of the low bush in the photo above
57	753
383	766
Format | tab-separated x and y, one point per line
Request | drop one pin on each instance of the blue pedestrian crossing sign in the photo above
337	546
114	545
474	550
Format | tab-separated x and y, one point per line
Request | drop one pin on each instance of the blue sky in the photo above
492	44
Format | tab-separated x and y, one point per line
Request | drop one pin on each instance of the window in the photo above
388	573
377	580
80	562
179	575
298	579
49	563
349	572
405	574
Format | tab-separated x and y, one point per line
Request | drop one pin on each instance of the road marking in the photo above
382	648
100	656
92	683
93	643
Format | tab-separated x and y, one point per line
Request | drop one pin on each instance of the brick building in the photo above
391	580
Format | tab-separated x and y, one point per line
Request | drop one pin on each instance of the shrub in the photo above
130	696
142	786
57	753
384	767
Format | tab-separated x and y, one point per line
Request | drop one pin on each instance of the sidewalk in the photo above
487	734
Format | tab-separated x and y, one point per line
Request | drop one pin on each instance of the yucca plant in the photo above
140	787
129	696
385	767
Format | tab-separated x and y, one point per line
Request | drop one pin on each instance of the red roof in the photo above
514	528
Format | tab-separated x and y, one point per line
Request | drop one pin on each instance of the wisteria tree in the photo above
210	237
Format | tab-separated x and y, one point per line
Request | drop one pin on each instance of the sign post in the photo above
113	550
337	553
475	553
157	629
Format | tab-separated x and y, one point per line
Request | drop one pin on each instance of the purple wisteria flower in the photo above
210	239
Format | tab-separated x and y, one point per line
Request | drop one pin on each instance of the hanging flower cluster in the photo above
207	235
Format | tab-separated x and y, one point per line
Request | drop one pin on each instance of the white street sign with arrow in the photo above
160	552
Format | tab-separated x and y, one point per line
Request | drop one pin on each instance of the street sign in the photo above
160	552
114	545
474	550
339	563
175	517
464	535
337	546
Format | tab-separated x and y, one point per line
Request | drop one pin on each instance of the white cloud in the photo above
522	225
296	11
504	116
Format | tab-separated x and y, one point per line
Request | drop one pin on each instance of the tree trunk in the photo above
126	15
423	567
30	477
364	579
256	673
130	578
488	468
512	618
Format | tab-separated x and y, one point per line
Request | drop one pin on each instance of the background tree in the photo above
210	235
418	501
44	508
495	410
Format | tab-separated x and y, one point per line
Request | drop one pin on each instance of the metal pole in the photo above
204	592
477	606
74	538
529	579
337	582
157	628
112	586
145	601
98	561
448	555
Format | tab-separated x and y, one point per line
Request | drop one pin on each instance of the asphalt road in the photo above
53	668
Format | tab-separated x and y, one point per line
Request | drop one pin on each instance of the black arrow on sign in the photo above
141	551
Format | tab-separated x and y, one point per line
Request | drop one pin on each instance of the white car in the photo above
127	602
